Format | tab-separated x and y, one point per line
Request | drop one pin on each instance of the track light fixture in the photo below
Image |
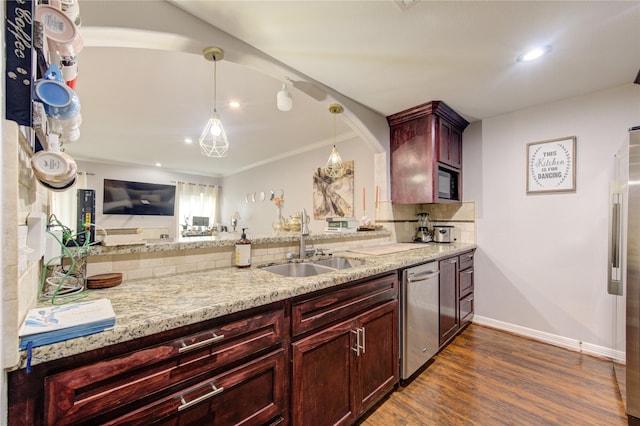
284	101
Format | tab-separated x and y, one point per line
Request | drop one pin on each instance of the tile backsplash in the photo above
461	216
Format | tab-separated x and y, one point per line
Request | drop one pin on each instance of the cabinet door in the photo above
449	144
412	155
323	376
377	364
251	394
448	299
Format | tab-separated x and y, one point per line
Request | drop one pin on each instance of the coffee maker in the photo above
423	235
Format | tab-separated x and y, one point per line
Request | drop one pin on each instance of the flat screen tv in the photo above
138	198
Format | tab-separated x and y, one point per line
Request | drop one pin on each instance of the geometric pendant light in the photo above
213	140
335	167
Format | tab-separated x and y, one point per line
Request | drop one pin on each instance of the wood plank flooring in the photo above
489	377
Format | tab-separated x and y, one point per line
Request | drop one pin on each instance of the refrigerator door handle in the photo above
614	270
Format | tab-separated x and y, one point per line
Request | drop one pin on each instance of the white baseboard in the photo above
552	339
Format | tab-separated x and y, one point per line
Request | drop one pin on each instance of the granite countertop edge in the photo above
149	306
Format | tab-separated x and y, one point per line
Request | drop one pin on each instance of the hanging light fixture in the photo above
335	166
284	102
213	140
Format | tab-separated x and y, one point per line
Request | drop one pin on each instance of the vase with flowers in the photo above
278	224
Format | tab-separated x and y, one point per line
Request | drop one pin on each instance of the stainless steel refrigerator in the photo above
624	272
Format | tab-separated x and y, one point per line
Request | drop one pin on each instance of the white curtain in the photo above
64	205
195	200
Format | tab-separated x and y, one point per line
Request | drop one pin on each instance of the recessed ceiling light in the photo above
534	53
188	141
234	104
158	164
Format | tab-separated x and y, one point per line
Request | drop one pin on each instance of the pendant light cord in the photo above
215	73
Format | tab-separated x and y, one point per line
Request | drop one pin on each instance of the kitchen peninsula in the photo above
171	321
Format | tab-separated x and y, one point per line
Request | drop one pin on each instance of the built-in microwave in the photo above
448	183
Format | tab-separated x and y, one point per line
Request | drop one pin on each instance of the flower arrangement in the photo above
279	201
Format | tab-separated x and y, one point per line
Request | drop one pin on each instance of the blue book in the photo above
43	326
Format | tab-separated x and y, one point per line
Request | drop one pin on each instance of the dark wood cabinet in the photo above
449	144
248	394
225	371
344	365
466	288
448	298
423	140
323	376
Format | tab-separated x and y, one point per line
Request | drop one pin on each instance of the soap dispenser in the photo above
243	251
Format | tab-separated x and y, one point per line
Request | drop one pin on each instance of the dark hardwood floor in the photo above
489	377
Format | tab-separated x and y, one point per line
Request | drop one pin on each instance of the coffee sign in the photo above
551	166
18	53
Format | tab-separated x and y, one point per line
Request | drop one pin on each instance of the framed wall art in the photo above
551	166
333	197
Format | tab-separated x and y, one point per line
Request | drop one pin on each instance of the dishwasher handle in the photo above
423	276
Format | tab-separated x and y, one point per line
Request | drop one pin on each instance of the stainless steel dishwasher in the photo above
419	316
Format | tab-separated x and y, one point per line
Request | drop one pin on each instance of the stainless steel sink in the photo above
298	269
308	269
339	262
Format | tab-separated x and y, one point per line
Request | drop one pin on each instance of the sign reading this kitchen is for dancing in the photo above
551	166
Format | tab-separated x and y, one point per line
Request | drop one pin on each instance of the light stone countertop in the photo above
145	307
226	239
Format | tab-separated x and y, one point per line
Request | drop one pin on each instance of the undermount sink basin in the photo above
339	262
298	269
308	269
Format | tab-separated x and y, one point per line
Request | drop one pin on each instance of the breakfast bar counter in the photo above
148	306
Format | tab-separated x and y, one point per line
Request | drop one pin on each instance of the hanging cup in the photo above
63	37
59	100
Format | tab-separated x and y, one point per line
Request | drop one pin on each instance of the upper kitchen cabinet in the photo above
426	154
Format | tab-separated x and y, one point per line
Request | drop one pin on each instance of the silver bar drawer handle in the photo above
363	340
357	348
186	404
414	278
186	347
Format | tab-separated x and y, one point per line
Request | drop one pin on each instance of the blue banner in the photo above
19	60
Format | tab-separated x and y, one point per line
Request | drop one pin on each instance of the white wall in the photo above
99	171
294	175
541	262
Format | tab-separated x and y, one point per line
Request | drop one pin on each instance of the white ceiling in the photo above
138	104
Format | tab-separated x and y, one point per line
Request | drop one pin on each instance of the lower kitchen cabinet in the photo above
340	372
342	369
226	371
448	299
465	288
249	394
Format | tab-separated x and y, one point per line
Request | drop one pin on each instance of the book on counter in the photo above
46	325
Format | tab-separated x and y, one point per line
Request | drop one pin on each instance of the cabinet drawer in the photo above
312	313
466	260
466	282
466	309
250	394
120	384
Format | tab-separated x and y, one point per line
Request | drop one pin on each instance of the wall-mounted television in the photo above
138	198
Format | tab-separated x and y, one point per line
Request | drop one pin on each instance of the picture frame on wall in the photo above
551	166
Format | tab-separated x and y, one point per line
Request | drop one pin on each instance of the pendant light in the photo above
213	140
335	166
